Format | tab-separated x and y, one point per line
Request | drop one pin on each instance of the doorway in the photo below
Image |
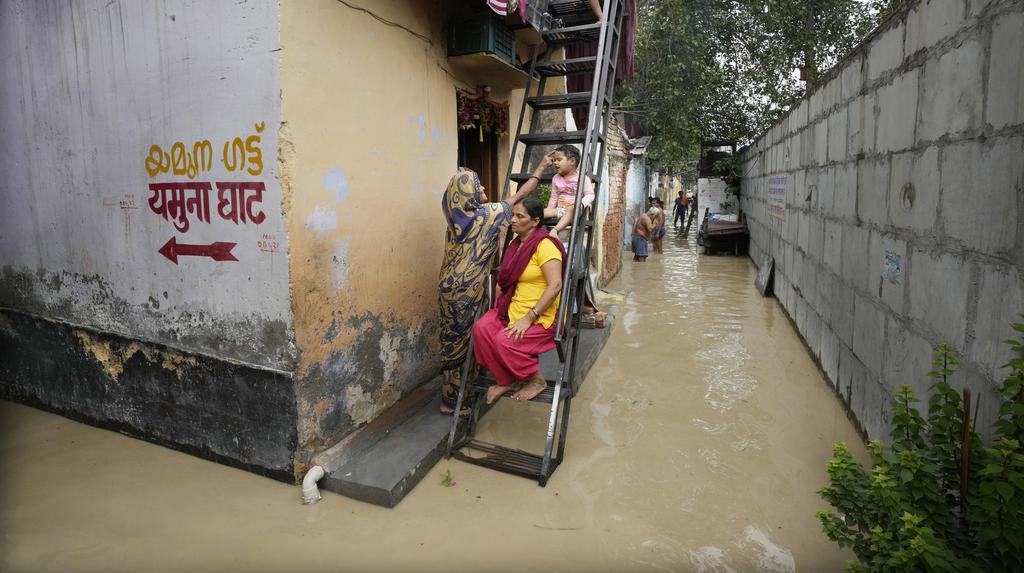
479	151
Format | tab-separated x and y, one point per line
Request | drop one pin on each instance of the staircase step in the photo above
503	459
383	461
567	67
556	137
572	11
484	382
559	101
524	463
524	177
570	34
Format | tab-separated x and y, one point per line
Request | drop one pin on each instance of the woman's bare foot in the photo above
530	391
495	392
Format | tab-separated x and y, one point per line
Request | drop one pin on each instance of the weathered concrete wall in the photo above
227	412
368	147
891	201
143	270
111	111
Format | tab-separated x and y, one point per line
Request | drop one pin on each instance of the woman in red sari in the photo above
510	336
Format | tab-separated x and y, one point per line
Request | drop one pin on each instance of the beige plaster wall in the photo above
368	145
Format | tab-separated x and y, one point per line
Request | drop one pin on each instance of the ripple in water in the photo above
709	559
726	380
772	557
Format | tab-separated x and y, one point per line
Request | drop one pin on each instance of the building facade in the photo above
221	221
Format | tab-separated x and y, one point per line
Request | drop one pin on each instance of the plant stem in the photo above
965	456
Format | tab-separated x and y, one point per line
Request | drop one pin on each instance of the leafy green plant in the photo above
543	193
935	499
730	170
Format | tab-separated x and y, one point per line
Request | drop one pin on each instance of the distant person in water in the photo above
679	210
641	234
658	219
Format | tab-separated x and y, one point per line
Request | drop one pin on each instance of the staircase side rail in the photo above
612	22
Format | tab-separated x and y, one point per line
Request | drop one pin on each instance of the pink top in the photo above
563	191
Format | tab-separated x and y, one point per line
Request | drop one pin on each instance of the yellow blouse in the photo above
532	284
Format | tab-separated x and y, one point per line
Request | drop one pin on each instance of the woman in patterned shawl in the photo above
474	227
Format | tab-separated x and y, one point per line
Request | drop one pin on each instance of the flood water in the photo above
697	443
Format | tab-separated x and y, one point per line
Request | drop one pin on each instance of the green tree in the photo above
728	69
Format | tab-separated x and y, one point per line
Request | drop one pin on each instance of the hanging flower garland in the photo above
479	113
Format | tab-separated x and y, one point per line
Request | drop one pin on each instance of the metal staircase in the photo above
573	22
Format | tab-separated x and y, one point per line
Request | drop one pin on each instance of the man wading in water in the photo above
642	233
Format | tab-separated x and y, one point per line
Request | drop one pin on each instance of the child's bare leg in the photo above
565	221
595	5
549	213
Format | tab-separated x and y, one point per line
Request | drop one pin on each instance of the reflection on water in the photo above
697	443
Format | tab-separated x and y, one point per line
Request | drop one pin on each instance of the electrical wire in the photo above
387	22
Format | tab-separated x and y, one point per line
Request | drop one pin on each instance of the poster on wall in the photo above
777	197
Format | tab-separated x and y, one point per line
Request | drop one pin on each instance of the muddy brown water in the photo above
696	444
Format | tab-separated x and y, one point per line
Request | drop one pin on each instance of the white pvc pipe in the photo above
310	493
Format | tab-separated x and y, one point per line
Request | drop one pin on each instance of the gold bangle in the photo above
534	177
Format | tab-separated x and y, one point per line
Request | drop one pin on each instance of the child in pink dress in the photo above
566	160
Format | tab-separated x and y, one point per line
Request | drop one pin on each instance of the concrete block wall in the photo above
903	173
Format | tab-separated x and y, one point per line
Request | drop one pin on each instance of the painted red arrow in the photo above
216	251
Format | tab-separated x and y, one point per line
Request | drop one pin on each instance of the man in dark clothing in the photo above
679	210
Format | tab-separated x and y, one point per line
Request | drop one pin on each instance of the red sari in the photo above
506	358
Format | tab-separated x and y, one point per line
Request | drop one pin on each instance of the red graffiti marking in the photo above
218	251
236	204
174	201
238	201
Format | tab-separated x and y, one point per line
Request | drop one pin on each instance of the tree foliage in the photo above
728	69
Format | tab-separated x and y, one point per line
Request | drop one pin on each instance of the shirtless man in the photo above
642	233
658	233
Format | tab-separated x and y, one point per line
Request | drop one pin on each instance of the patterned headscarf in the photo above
461	202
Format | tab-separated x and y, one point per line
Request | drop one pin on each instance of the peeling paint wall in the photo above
369	145
140	194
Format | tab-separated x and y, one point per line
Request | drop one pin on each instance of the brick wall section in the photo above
904	205
611	229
